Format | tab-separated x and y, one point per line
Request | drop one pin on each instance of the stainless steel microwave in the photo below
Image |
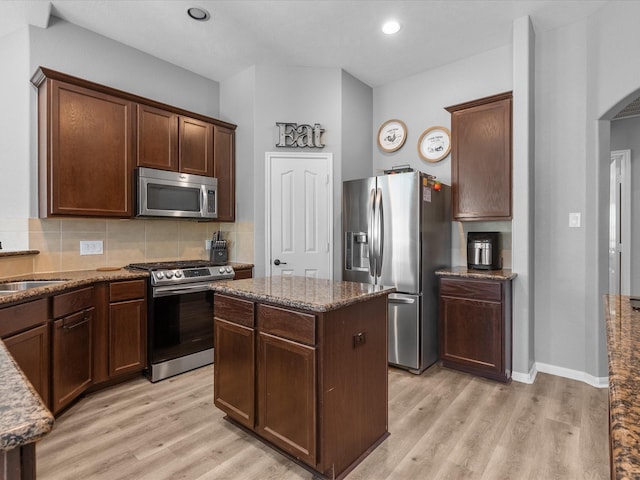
162	193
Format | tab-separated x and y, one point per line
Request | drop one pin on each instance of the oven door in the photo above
180	322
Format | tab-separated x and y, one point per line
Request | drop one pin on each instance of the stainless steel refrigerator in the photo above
397	232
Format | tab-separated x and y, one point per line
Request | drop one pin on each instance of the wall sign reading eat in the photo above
294	135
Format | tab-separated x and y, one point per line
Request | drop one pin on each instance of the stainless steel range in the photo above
180	315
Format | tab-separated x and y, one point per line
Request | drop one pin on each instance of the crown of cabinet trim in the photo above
480	101
46	73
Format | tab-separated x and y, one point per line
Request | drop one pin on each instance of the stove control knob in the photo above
229	269
168	274
221	270
159	275
178	274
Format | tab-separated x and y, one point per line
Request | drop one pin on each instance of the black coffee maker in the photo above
483	251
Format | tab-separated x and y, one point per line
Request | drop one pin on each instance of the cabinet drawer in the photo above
71	302
486	290
127	290
296	326
22	317
233	310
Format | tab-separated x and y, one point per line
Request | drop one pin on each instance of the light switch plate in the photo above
574	220
93	247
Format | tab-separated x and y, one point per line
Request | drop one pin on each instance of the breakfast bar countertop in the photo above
623	340
318	295
23	416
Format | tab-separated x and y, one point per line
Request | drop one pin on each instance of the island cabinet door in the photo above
287	395
234	362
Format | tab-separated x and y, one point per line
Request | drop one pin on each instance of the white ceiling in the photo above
315	33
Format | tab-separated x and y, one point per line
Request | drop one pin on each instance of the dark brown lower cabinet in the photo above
30	350
71	352
286	416
24	329
475	326
312	384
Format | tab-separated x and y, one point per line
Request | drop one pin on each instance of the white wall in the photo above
79	52
14	139
561	61
295	95
420	101
237	105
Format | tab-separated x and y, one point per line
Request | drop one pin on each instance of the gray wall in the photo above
15	158
261	96
625	135
79	52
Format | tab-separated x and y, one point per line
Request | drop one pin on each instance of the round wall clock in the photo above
434	144
391	135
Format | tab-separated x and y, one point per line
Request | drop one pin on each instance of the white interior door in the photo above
620	223
299	206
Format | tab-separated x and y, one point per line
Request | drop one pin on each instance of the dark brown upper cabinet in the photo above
224	169
86	151
481	164
91	137
157	138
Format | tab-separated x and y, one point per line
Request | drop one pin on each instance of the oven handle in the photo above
166	291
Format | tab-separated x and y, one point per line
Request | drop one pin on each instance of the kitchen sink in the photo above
12	287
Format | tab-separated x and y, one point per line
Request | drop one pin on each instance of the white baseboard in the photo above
598	382
525	377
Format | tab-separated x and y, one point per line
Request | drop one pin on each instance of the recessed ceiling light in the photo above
199	14
391	27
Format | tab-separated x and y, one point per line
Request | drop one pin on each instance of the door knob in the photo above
278	262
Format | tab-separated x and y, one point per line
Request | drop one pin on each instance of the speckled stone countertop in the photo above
464	272
623	340
72	280
23	416
317	295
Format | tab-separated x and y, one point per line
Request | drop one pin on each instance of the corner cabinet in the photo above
475	326
24	329
86	151
312	384
481	164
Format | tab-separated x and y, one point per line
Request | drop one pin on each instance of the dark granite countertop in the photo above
16	253
464	272
317	295
23	416
73	279
623	339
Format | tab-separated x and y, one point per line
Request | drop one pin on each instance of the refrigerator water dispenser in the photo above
356	251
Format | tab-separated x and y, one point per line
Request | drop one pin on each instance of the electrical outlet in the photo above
93	247
207	244
574	220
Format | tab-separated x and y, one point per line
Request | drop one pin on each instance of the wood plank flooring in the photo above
443	424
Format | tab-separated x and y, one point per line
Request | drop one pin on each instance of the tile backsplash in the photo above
128	241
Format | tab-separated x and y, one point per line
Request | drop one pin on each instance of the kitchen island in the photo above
302	364
623	339
23	420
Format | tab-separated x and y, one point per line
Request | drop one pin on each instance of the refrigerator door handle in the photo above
372	233
380	232
393	298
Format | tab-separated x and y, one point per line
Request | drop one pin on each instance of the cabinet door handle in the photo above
84	320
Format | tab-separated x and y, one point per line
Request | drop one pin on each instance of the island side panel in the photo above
353	383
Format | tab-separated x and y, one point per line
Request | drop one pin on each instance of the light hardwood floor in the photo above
443	425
